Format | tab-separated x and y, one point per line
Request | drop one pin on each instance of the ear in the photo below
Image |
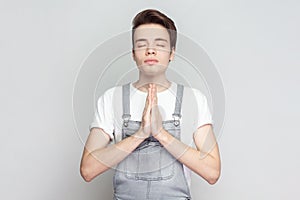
172	54
133	55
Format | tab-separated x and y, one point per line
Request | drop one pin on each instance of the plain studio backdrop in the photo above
254	45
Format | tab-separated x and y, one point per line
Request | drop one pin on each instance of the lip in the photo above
151	61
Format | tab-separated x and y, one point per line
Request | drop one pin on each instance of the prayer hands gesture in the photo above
151	120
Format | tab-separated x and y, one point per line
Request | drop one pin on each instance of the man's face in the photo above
152	50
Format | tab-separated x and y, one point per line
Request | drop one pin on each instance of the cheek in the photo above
138	60
138	56
165	57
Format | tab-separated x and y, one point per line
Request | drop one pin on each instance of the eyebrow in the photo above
161	39
156	39
140	40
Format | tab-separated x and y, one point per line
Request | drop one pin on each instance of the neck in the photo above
161	81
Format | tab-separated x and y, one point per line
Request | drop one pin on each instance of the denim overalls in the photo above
150	171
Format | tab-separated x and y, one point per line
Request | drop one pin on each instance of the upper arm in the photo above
205	141
104	118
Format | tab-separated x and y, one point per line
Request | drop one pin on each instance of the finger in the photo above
151	93
149	101
154	93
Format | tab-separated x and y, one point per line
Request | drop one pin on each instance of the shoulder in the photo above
191	92
110	93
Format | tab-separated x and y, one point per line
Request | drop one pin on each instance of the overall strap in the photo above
126	103
177	111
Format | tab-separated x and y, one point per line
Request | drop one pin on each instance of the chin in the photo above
153	68
152	71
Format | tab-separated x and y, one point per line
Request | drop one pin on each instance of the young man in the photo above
145	120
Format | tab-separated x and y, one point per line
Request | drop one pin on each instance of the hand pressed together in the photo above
151	120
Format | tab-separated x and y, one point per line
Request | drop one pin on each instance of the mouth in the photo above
151	61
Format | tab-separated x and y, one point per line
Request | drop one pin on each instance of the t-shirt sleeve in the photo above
103	114
204	114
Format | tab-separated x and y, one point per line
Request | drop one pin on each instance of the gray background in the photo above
254	44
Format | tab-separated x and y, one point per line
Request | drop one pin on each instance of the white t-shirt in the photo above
194	110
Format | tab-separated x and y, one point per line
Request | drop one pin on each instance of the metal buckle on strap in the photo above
126	118
176	119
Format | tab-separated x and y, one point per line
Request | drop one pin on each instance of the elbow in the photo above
212	181
89	170
86	174
214	177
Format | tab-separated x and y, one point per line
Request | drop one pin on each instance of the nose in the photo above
150	51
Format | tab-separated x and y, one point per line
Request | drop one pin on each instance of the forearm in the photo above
207	166
98	161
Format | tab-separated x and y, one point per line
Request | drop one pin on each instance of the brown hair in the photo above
150	16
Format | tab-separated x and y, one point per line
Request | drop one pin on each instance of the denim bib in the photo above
150	171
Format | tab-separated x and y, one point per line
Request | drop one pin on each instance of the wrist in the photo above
140	135
162	135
